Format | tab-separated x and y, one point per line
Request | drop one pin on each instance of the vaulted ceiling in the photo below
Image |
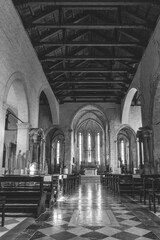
89	50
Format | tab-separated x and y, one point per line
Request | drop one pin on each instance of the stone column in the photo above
2	132
141	153
36	147
68	148
150	148
63	153
146	137
145	144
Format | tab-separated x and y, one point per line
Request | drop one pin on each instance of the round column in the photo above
2	132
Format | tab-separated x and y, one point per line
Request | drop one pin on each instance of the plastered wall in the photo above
19	62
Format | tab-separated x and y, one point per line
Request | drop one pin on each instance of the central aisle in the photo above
90	213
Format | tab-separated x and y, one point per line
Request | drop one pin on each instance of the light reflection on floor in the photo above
92	213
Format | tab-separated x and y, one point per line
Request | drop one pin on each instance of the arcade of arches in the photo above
91	139
35	128
90	136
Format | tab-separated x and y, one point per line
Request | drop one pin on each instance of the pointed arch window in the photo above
80	147
89	147
58	151
98	147
122	146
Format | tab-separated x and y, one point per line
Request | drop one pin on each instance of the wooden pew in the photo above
77	179
56	186
104	179
124	184
2	203
24	194
147	185
50	186
110	180
65	185
137	186
70	182
154	193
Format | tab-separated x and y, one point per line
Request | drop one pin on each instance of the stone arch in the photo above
54	108
15	100
127	127
127	104
129	133
94	106
16	85
132	109
50	135
90	117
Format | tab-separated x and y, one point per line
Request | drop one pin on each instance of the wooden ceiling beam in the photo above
90	44
136	16
97	78
91	8
91	96
97	96
89	70
128	52
88	90
92	26
88	101
86	82
43	14
89	58
88	3
129	35
104	79
48	34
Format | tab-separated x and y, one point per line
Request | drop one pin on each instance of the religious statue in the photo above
19	160
23	161
45	168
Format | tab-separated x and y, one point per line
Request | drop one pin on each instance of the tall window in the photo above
80	147
98	147
58	151
89	147
122	151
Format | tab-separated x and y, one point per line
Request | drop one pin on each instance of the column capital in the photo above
144	132
147	134
36	134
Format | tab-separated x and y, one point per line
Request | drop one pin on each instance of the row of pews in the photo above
146	187
33	194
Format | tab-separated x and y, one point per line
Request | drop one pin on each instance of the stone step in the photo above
92	178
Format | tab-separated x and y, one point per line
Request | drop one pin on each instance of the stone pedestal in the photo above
90	171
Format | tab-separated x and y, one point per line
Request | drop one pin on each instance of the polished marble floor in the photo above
92	212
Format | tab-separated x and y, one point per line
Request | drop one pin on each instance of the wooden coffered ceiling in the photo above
89	50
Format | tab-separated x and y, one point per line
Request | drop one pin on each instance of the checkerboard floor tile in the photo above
91	213
10	223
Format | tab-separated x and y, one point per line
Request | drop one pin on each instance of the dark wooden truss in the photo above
89	50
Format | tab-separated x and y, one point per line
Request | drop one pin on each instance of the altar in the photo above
90	171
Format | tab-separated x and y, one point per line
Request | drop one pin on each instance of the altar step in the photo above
93	178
